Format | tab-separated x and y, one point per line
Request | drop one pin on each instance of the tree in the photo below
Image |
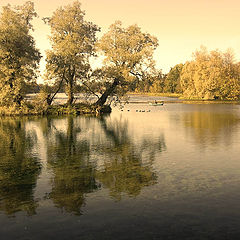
128	57
19	57
73	41
158	83
211	75
172	81
153	82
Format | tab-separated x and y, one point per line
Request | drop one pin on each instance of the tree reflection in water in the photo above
74	174
207	126
124	170
84	154
83	162
19	169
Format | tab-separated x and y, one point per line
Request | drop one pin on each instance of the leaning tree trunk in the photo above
100	102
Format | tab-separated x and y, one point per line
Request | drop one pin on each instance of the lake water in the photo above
143	172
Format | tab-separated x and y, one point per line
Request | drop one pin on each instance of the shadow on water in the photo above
19	169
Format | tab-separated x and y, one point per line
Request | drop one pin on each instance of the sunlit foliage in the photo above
211	75
72	39
128	56
19	57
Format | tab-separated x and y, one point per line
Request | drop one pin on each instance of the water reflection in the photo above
73	173
86	154
124	170
210	127
125	173
19	168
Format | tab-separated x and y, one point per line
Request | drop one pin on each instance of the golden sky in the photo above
181	26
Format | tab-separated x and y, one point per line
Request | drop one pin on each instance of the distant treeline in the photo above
210	75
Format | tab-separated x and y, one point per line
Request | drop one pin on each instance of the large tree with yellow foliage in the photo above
73	40
19	57
211	75
128	56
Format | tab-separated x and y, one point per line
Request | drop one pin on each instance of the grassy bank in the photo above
186	101
182	99
55	110
173	95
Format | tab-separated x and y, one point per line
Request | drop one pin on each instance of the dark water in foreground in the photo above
171	173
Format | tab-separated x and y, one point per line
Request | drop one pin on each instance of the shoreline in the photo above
184	100
85	109
55	110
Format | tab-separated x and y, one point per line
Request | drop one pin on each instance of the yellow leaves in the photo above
128	52
73	41
19	57
126	47
211	75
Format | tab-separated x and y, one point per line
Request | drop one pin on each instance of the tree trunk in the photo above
70	93
18	99
100	102
50	97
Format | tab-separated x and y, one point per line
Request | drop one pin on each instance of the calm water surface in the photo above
169	172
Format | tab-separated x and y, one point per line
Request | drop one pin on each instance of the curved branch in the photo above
49	100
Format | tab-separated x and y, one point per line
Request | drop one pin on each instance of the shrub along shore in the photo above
55	110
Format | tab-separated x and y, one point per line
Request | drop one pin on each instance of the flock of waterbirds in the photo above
136	110
155	104
128	110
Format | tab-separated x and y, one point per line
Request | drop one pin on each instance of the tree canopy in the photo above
19	57
128	56
172	81
211	75
73	42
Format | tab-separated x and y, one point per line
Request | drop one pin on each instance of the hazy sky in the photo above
181	26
